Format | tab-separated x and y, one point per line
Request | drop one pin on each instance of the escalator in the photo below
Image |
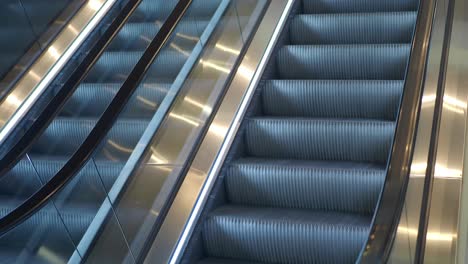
43	237
26	28
302	178
305	172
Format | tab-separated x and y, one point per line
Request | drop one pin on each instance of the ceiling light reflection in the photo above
34	75
187	37
246	72
205	108
73	29
219	131
227	49
95	4
50	256
179	49
185	119
434	236
214	66
451	104
156	157
53	52
119	147
13	100
147	102
419	170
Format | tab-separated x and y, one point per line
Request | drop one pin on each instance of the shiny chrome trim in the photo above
448	170
140	149
403	250
36	79
185	210
389	208
38	47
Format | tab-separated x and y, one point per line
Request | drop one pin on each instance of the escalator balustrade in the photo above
303	177
79	202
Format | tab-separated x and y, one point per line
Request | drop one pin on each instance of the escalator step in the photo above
357	61
157	11
318	185
88	181
137	36
304	181
284	235
319	139
225	261
76	220
116	65
65	135
353	28
21	181
346	6
372	99
44	237
91	99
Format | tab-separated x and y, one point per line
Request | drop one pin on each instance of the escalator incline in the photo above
79	201
303	177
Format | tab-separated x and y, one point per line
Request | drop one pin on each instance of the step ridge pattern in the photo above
304	174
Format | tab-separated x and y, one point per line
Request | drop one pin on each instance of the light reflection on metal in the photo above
218	130
227	49
179	49
185	119
246	72
147	102
451	104
164	168
173	234
109	156
32	85
433	236
53	52
187	37
95	4
194	102
215	66
205	108
35	76
12	99
428	99
119	147
157	157
419	170
50	256
153	212
73	29
454	102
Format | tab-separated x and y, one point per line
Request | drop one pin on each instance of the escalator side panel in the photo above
303	176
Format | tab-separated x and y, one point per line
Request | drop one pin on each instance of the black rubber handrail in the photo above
385	223
431	159
100	130
19	148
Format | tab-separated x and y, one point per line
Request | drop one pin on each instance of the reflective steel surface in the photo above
36	79
405	242
34	25
185	209
154	166
445	231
